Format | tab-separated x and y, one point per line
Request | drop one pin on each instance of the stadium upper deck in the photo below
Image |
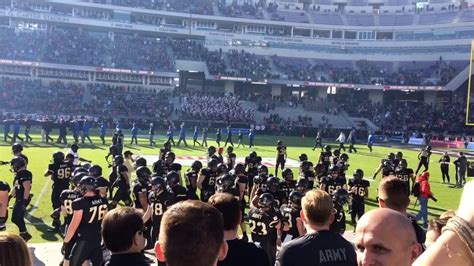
217	40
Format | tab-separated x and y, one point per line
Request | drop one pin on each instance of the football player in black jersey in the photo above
117	140
260	180
117	162
343	164
86	223
123	188
229	137
66	198
318	141
22	186
163	151
280	156
231	157
17	150
398	159
172	180
288	184
325	158
334	181
226	184
60	172
336	154
307	169
140	187
241	139
170	165
293	225
4	191
113	151
222	169
273	187
302	186
218	137
340	198
424	157
241	183
191	180
251	164
102	183
207	180
359	190
405	174
387	166
265	225
159	200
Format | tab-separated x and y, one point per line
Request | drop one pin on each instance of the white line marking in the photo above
38	197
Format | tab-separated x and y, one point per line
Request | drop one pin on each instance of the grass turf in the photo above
39	154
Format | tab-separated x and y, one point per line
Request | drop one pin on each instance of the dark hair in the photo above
229	207
393	191
119	227
192	233
13	250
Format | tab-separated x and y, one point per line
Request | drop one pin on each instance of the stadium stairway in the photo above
337	121
457	81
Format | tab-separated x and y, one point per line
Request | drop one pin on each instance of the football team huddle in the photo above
270	204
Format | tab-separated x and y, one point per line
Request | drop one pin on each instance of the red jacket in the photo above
425	191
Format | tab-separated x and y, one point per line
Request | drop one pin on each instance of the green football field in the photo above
38	220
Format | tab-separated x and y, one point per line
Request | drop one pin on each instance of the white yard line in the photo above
38	197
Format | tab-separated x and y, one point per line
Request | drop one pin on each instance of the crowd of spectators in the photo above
186	49
276	121
203	7
32	96
249	65
127	101
100	49
414	73
246	9
410	116
94	99
224	108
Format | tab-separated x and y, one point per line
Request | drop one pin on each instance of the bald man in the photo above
385	237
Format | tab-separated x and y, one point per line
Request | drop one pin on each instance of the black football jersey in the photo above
159	203
20	177
191	177
93	211
66	198
209	182
61	173
263	225
252	165
281	151
174	167
179	193
339	223
333	184
290	215
102	182
388	168
287	186
326	158
138	188
358	186
405	175
242	179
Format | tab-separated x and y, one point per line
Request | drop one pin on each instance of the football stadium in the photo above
236	132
